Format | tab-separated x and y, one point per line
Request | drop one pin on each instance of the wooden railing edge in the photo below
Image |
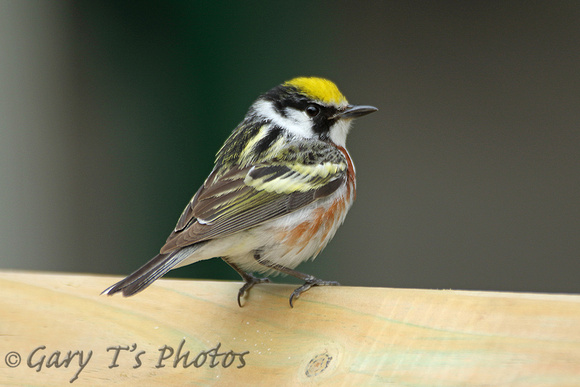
189	330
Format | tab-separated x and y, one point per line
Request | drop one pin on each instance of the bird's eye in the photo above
312	110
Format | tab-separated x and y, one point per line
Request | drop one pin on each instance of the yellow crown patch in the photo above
319	89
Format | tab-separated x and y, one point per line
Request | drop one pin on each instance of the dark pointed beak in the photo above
354	111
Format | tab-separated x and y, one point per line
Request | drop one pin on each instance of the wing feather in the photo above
244	197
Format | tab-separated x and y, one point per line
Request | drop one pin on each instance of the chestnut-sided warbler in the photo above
281	186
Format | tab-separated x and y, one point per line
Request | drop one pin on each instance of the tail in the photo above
148	273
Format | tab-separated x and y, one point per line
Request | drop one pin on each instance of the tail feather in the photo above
148	273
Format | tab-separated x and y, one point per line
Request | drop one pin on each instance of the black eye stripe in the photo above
284	97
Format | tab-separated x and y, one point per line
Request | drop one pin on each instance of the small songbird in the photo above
281	186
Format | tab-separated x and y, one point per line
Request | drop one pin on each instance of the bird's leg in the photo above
309	280
248	278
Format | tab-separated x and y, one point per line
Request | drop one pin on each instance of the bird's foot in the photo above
310	282
250	282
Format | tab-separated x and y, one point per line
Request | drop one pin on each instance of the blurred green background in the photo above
468	176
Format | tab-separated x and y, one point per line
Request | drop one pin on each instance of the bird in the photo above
281	186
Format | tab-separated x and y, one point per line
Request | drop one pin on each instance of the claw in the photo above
313	281
250	282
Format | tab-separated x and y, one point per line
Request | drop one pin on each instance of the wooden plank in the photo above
333	336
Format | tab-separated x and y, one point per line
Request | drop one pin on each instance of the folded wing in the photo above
244	197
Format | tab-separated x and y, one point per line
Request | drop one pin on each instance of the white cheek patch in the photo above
339	131
296	122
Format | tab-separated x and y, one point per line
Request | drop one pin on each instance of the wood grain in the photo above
333	336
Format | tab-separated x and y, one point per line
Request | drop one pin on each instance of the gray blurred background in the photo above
468	176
